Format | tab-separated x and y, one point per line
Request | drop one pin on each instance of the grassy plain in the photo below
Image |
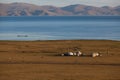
40	60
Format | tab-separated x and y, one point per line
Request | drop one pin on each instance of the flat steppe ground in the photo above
40	60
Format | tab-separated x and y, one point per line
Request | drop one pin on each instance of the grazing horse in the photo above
68	54
78	53
96	54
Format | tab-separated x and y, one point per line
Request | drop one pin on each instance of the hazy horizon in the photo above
60	3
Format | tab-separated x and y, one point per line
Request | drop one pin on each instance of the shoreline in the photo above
67	40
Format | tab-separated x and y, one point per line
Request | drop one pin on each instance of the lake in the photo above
60	28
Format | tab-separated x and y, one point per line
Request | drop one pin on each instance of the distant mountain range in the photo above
25	9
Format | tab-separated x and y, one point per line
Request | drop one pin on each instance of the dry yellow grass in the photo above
39	60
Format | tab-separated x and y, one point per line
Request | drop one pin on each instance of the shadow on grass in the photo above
84	55
58	63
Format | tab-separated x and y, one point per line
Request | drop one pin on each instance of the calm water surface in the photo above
60	27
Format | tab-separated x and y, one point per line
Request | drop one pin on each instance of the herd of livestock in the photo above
78	53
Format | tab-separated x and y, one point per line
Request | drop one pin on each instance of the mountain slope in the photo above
90	10
25	9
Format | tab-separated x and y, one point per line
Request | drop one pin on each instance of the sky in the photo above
61	3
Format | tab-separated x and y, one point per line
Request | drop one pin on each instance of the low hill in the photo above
25	9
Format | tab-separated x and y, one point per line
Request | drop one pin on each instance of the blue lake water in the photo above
60	27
